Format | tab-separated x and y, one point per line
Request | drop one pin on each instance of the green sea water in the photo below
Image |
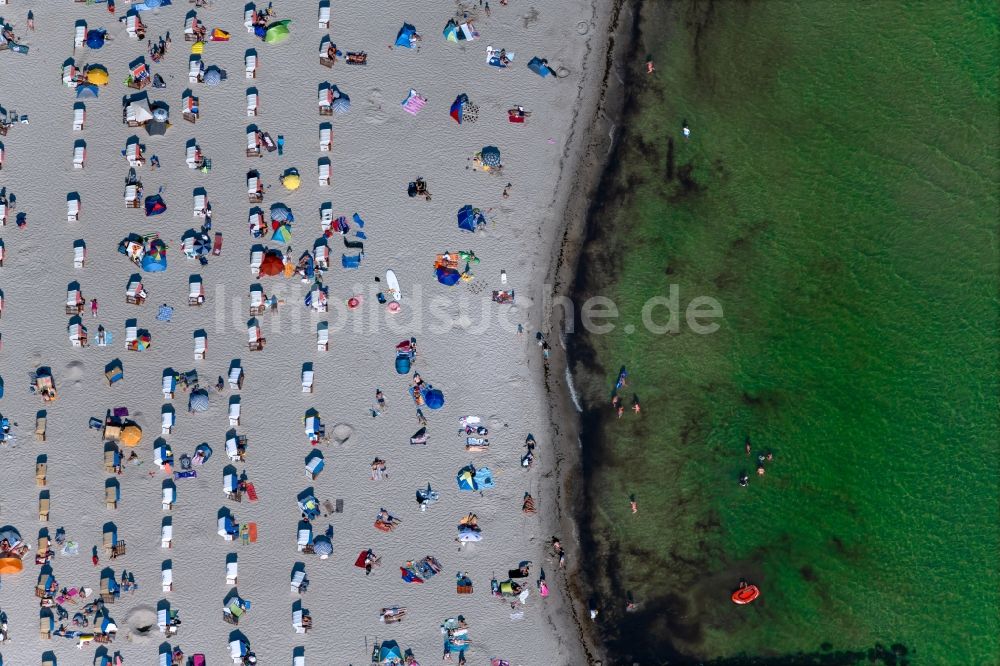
839	197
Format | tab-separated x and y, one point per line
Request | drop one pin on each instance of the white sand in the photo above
484	369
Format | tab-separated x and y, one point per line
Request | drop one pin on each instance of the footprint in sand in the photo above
375	113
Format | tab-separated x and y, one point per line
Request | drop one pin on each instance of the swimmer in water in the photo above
685	129
744	479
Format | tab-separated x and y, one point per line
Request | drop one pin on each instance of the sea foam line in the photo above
572	390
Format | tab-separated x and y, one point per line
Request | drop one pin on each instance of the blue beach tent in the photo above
539	66
404	35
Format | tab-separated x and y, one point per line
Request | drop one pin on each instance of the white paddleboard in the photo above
393	284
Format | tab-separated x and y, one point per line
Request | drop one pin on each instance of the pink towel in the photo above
413	103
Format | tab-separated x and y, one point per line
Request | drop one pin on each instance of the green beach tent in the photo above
277	32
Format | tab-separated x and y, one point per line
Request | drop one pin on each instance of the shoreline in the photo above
603	117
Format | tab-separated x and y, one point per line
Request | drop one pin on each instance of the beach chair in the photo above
41	472
46	625
326	217
324	15
200	346
169	385
232	572
133	155
304	540
235	407
3	155
132	338
168	497
79	156
248	17
250	65
324	52
41	423
132	196
258	304
3	252
256	257
299	660
167	535
79	35
70	76
236	447
192	156
255	189
79	118
307	381
324	173
77	335
189	108
134	26
191	25
79	254
322	337
321	255
196	291
73	209
196	70
299	621
253	143
325	139
200	205
3	214
74	301
167	579
236	376
135	294
255	340
325	101
167	421
43	507
253	104
298	578
139	77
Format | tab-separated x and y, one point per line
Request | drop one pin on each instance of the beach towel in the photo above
165	313
413	102
358	221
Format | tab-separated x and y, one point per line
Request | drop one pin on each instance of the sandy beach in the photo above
469	346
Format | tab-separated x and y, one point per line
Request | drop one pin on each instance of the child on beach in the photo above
93	307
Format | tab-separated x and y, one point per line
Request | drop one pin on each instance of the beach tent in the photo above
433	398
406	36
95	39
469	478
86	91
490	156
341	102
470	219
390	652
138	112
273	263
459	32
458	107
277	32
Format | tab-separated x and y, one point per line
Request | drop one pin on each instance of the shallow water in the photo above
838	197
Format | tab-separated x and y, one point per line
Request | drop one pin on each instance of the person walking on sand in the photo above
93	307
380	398
634	504
93	556
281	144
31	20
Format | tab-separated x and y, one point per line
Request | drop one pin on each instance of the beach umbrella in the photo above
213	76
198	402
98	76
466	534
153	263
131	434
95	39
280	213
466	478
86	91
272	264
144	341
202	245
490	156
283	234
341	102
291	180
160	114
434	398
10	565
322	547
277	32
